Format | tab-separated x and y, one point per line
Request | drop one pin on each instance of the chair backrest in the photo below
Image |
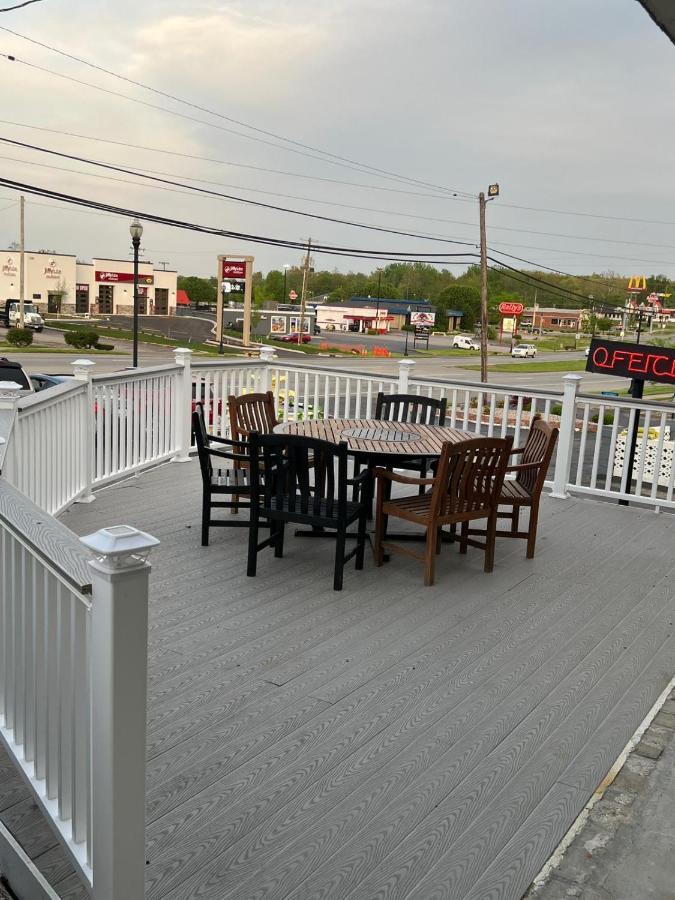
230	452
410	408
539	449
288	462
252	412
470	475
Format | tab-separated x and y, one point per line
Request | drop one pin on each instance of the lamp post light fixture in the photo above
407	322
136	232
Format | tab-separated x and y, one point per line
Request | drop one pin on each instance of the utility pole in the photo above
483	291
22	270
303	296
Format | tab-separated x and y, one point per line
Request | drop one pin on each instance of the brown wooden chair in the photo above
467	486
252	412
524	491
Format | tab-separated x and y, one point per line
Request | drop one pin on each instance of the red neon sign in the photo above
632	361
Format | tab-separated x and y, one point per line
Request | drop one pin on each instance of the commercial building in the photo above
543	318
58	282
270	322
364	313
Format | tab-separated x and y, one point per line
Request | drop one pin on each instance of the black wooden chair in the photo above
413	410
288	493
225	471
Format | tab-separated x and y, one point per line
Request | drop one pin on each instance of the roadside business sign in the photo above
233	270
638	361
292	295
106	277
511	309
423	318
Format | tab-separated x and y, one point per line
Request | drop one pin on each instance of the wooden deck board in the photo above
388	740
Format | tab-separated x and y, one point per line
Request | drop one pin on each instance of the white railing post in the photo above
183	411
82	369
405	370
119	651
568	418
9	394
267	356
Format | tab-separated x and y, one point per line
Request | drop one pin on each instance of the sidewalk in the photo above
625	850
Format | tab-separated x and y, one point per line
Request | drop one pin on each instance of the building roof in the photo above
182	298
398	307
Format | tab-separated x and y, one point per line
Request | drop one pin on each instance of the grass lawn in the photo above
556	365
11	348
106	331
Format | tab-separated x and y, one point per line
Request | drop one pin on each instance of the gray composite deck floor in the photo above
391	740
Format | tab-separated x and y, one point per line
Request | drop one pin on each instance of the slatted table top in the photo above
375	436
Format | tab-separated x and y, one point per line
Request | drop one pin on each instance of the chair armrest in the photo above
517	450
523	467
358	479
231	457
401	479
218	440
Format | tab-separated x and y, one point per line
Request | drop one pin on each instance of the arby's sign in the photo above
511	309
626	360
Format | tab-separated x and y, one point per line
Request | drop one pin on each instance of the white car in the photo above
524	350
464	342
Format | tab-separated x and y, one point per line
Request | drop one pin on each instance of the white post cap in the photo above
267	353
82	368
181	354
120	546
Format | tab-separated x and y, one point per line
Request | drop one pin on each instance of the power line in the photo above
568	212
18	6
223	162
342	183
390	255
232	197
548	284
549	269
326	157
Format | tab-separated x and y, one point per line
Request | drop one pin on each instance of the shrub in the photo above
556	409
105	346
82	338
20	337
608	418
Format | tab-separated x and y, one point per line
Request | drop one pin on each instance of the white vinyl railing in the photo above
47	455
73	658
134	423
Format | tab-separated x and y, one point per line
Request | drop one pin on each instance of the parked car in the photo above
524	350
464	342
296	338
42	382
13	371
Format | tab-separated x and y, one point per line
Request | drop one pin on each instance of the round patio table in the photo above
377	442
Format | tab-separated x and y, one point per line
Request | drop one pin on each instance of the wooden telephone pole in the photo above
22	261
305	278
483	291
493	191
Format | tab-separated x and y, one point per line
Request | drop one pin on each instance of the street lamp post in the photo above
136	232
377	304
225	288
407	322
285	297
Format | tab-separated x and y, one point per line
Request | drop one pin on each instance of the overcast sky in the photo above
567	105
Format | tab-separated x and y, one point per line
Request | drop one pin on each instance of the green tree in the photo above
201	291
463	297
